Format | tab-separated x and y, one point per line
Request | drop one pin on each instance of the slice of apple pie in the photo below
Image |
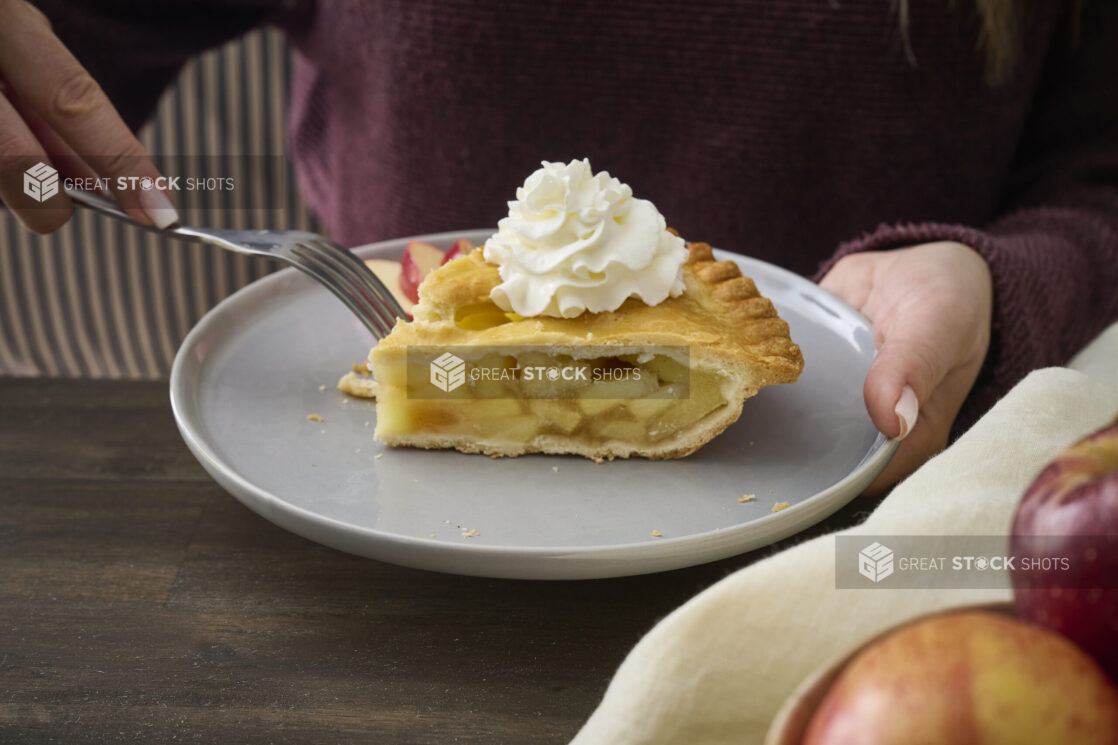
719	342
584	326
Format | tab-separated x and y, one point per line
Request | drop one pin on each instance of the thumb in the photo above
900	390
902	377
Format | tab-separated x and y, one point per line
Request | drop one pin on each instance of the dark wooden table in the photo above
140	603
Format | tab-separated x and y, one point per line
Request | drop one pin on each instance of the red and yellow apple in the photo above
968	678
1065	541
403	278
420	259
389	272
461	247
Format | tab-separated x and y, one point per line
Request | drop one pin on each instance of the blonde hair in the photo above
1000	37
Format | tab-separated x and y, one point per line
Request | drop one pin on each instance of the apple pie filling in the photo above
638	399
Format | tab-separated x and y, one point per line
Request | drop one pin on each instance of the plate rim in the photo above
339	534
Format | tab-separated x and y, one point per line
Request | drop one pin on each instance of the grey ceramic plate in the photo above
249	373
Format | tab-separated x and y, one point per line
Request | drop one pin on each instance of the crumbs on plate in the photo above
747	498
314	418
779	506
657	534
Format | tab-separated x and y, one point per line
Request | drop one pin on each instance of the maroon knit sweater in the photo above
792	130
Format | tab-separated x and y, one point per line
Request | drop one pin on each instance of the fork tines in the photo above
353	283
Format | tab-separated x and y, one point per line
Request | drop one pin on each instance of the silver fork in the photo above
337	269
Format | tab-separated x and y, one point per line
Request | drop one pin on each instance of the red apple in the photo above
460	248
389	272
1065	542
420	259
968	678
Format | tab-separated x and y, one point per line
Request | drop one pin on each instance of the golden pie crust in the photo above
729	328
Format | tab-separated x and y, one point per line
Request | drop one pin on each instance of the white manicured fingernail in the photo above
907	410
158	208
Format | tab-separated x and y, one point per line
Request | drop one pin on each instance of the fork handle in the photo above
106	206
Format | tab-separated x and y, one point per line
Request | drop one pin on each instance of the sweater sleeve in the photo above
1053	247
135	48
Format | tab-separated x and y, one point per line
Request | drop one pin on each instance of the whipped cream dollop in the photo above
576	241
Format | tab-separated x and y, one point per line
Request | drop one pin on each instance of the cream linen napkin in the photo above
717	669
